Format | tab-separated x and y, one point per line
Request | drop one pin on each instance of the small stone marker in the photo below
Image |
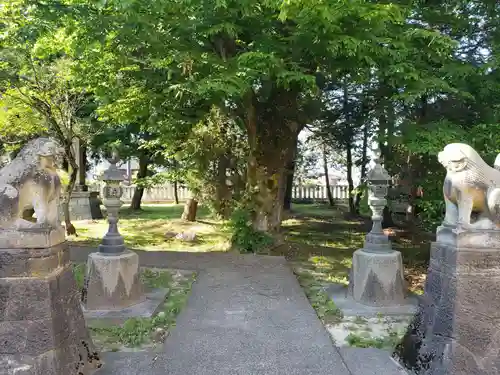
82	205
457	330
186	236
42	328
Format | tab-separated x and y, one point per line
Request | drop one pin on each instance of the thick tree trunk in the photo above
135	204
272	140
190	210
327	177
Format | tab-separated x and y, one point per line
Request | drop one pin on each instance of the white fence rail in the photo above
165	193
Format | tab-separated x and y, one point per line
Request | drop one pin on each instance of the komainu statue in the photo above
471	188
31	183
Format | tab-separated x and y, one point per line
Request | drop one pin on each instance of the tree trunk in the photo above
190	210
176	192
348	145
135	204
364	162
327	177
287	203
222	192
352	208
70	228
290	170
382	119
272	140
387	221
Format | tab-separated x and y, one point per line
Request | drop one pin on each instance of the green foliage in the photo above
431	213
387	342
244	237
191	85
364	209
326	309
79	274
18	122
155	279
212	162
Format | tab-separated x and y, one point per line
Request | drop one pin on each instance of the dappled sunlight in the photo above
147	229
320	242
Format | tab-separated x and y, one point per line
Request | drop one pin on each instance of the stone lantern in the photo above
377	277
378	186
112	243
112	281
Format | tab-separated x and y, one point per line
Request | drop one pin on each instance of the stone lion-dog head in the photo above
30	182
456	157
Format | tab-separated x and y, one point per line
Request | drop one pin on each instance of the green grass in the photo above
146	230
143	333
320	241
387	342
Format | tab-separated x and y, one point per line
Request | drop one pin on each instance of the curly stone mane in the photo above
27	160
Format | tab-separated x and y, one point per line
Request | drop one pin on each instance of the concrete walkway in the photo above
247	315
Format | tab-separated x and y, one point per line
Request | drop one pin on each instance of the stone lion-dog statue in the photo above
30	183
471	186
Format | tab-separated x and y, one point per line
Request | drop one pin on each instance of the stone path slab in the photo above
247	315
371	361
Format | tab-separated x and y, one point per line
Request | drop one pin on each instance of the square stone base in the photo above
146	309
377	278
42	328
112	281
349	307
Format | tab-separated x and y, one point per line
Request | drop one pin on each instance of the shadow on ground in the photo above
321	239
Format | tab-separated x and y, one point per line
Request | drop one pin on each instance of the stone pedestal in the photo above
80	206
113	281
376	286
377	279
457	328
42	328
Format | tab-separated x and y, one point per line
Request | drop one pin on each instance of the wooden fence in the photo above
165	193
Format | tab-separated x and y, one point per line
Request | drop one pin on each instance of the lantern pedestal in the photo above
113	281
377	279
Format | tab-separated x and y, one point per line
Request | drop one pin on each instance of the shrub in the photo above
244	237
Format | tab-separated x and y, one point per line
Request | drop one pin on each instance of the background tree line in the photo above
218	91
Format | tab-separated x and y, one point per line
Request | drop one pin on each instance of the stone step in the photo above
370	361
